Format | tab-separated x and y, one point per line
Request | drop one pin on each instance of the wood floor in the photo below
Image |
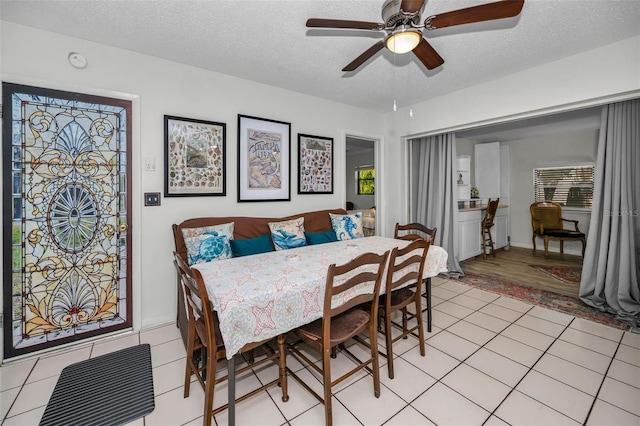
513	265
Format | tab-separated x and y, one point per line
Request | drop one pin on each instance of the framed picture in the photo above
315	164
264	164
194	157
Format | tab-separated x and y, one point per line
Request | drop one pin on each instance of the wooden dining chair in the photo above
485	228
547	223
205	346
413	231
403	287
343	319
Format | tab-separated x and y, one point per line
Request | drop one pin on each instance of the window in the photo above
568	186
366	181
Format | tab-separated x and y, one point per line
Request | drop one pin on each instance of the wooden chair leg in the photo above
546	248
420	326
326	369
209	388
375	367
533	240
561	246
427	284
388	343
190	362
282	364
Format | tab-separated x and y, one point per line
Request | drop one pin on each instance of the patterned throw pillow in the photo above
208	243
288	234
347	226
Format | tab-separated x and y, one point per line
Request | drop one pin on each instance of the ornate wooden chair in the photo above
342	321
413	231
406	266
547	223
205	346
485	228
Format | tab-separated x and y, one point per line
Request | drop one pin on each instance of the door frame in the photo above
136	203
378	143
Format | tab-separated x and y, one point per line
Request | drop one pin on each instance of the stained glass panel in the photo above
69	219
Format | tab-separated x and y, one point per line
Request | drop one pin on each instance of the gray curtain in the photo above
611	267
434	190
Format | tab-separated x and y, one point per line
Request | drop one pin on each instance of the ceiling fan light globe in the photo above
403	41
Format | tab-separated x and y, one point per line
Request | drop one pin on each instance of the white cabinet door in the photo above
500	230
469	237
487	160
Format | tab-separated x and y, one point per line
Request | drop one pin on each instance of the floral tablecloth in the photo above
261	296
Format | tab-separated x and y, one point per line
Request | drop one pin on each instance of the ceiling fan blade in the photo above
428	55
364	56
343	23
485	12
411	6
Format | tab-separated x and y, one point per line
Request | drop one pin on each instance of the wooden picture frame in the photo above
315	164
264	159
194	157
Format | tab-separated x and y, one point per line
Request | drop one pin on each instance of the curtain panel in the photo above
433	190
611	267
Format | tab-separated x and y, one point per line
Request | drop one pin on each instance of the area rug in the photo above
111	389
569	305
566	274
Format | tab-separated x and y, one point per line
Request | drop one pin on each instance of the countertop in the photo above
479	207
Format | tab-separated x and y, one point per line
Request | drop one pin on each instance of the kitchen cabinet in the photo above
469	237
500	230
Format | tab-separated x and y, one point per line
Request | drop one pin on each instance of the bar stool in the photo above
485	228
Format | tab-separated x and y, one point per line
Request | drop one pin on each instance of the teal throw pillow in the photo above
321	237
249	246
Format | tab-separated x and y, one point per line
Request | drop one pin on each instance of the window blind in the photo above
568	186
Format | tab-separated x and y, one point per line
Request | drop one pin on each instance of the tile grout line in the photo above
526	374
604	377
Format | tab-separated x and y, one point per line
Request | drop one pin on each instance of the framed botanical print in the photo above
264	164
315	164
194	157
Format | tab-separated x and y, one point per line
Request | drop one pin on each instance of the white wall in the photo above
161	87
572	148
601	75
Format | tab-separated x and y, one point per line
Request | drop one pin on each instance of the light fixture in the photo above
403	39
77	60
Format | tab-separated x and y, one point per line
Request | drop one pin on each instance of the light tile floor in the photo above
490	360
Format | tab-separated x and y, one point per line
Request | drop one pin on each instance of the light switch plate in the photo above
151	198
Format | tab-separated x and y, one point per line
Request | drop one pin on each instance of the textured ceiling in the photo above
267	41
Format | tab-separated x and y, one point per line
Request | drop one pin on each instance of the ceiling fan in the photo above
402	23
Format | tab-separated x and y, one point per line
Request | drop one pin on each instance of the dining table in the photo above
265	295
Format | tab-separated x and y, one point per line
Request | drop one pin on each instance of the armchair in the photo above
547	223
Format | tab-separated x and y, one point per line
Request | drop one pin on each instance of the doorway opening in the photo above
361	179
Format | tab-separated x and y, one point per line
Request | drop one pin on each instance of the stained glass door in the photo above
67	206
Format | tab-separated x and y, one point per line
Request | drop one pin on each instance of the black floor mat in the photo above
112	389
